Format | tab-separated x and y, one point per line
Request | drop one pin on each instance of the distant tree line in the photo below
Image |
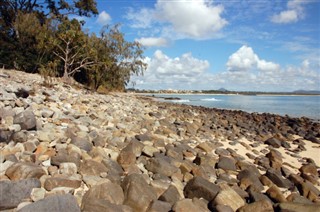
37	36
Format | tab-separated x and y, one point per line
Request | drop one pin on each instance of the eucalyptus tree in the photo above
115	59
11	12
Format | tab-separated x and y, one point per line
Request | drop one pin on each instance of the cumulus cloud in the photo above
104	18
198	19
293	13
152	41
164	72
245	71
245	60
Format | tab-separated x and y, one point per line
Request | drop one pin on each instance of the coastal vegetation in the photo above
40	37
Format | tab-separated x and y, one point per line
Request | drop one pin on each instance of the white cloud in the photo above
287	16
164	72
293	13
246	60
152	41
188	72
242	60
196	19
104	18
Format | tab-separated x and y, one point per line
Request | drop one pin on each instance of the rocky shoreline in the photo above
68	149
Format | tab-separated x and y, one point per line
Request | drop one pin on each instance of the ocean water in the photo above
294	106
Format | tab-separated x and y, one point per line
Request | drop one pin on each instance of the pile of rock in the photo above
66	149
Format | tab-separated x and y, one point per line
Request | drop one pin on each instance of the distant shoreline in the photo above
227	94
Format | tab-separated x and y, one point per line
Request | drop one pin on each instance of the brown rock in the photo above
275	194
199	187
138	194
227	163
126	157
276	178
309	169
187	205
227	196
275	159
21	170
159	206
274	142
161	166
308	190
55	182
247	178
91	167
171	195
110	192
99	205
297	207
262	205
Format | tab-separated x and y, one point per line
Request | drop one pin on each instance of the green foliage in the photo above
115	59
37	36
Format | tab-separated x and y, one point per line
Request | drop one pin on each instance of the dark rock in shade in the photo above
273	142
110	192
159	206
219	208
113	167
247	178
295	197
312	138
5	136
222	152
26	120
138	194
61	203
201	188
256	195
21	92
82	143
161	166
275	159
295	179
297	207
277	179
262	205
308	190
91	167
99	205
22	170
171	195
13	193
143	137
55	182
227	163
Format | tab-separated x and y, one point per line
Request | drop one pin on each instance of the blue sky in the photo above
265	45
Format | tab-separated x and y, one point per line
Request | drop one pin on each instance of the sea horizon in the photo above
296	106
